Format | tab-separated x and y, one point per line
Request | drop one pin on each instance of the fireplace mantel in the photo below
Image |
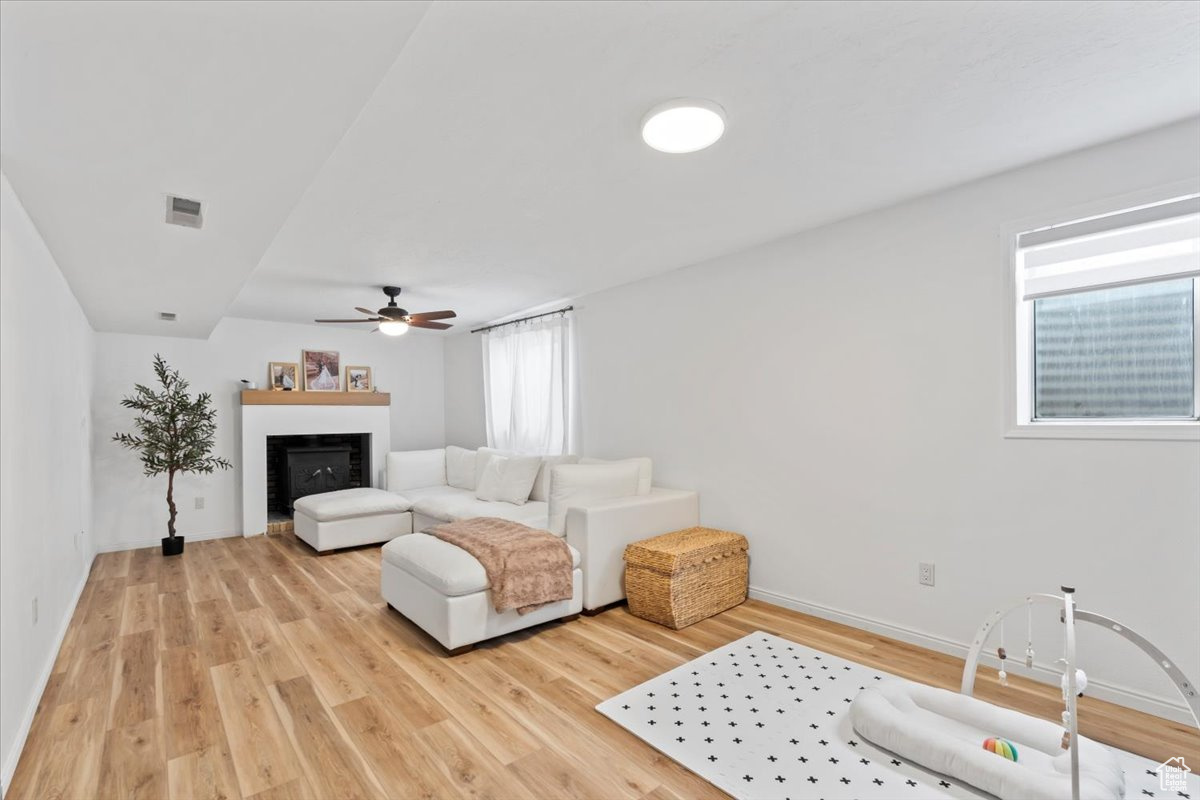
261	397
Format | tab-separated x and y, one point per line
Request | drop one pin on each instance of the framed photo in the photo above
283	376
321	371
358	379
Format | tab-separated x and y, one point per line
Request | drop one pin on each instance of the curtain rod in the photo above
487	328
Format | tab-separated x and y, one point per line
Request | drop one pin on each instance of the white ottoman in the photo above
443	589
351	517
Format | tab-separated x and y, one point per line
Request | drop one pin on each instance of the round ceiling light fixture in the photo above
683	125
393	328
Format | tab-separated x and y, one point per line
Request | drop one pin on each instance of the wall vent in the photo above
181	211
168	316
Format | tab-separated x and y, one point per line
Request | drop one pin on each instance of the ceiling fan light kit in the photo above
393	328
394	320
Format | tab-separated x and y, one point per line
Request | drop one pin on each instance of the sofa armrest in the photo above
415	469
600	532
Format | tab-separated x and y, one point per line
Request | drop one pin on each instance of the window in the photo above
1107	320
528	397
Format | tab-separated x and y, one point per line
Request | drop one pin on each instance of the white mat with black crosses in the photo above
763	717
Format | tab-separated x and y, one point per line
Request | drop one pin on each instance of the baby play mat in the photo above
763	717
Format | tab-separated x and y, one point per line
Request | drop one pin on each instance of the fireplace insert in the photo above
298	466
312	470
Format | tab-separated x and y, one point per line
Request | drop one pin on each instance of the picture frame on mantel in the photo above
283	376
359	379
322	371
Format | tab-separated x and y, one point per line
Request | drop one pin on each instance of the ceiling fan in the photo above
395	321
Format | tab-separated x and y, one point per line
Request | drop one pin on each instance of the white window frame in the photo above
1018	327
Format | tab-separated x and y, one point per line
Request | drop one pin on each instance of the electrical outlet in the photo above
35	611
925	574
199	502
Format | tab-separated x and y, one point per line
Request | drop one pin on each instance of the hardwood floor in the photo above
252	668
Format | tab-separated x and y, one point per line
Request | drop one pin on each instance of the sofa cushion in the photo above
482	456
541	484
574	485
460	467
348	503
414	469
450	570
508	479
426	492
459	504
645	468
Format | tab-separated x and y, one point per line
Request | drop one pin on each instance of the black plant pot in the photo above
172	545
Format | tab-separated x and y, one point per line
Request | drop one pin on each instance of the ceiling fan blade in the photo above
346	320
436	326
428	315
366	311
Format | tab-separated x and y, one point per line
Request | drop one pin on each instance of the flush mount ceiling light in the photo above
683	125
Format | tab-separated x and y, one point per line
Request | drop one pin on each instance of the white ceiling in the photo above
486	156
105	108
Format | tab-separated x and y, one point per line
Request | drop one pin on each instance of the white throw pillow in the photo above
645	465
481	459
508	479
460	467
541	485
576	485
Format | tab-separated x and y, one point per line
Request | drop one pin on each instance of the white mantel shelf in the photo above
261	397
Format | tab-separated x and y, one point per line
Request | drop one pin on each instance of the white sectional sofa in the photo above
597	506
441	485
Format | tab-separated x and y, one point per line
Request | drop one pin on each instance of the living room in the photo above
819	332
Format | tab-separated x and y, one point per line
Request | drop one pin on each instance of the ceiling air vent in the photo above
167	316
181	211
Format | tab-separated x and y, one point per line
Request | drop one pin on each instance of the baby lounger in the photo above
944	731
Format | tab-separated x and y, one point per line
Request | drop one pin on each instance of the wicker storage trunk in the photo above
686	576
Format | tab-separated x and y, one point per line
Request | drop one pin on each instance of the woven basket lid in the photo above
679	550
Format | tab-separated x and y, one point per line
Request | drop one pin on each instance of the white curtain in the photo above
527	375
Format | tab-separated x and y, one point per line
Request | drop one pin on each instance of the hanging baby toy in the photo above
1080	685
1029	635
1003	654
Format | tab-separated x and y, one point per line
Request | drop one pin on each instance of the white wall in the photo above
45	466
465	425
130	509
838	395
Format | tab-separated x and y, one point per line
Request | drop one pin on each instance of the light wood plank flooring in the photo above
253	668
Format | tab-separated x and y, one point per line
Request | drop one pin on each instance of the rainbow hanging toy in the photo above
1001	747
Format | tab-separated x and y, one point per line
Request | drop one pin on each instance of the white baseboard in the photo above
1131	698
138	544
13	755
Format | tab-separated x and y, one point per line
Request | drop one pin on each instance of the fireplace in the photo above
300	465
304	414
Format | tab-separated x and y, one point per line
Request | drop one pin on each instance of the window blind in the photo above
1152	243
1124	352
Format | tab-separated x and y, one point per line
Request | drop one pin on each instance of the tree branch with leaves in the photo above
175	432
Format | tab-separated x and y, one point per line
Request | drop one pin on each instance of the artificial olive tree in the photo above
175	431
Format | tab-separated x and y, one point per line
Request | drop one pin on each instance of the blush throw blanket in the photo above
526	568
